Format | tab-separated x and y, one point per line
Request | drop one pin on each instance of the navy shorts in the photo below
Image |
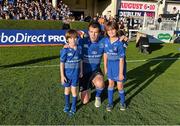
85	82
71	81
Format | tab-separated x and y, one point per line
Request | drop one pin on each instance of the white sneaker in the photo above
97	102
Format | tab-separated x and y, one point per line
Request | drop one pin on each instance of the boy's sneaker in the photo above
71	113
97	102
123	107
109	107
66	109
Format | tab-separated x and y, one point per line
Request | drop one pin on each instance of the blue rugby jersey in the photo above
71	58
114	52
92	54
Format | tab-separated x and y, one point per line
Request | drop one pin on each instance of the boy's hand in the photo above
121	77
63	80
66	46
124	38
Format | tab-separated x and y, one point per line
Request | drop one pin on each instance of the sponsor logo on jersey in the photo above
94	52
85	45
69	54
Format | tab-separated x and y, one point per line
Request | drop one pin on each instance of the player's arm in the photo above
63	78
105	63
121	69
121	53
62	65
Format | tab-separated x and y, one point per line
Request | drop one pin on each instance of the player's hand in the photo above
63	80
121	77
124	38
66	46
105	71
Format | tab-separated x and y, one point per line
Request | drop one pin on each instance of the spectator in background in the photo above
130	22
82	17
34	11
175	11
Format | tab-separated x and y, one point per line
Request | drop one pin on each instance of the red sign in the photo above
137	6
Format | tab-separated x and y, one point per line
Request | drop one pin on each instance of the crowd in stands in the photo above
23	9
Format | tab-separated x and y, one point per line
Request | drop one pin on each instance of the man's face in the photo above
93	34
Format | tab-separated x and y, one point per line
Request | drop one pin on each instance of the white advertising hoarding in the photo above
159	36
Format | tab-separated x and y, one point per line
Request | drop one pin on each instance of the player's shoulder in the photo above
120	42
64	50
83	40
104	39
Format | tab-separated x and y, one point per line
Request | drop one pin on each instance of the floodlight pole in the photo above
177	20
144	20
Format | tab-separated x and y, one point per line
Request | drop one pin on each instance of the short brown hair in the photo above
95	24
111	25
71	34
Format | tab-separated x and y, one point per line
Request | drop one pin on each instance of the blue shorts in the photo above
71	81
113	72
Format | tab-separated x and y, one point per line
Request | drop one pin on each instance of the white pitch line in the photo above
159	59
128	61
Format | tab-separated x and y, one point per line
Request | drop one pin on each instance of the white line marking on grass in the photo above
129	61
38	66
159	59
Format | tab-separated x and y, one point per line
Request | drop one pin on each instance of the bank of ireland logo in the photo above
165	36
69	54
115	49
94	52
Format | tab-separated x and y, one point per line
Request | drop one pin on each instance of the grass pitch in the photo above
30	92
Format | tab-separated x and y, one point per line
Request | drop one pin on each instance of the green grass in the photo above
34	96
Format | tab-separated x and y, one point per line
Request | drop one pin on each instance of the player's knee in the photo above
111	84
99	82
120	87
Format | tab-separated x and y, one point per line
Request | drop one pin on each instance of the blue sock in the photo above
122	96
67	100
73	107
98	92
110	95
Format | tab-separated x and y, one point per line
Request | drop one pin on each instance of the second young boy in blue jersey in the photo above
114	64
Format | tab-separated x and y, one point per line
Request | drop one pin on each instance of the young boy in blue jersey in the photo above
71	70
114	64
92	52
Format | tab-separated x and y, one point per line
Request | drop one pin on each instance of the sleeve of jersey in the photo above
80	52
121	51
63	55
104	43
80	42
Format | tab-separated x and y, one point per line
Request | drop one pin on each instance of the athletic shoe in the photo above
71	113
109	107
97	102
123	107
66	109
